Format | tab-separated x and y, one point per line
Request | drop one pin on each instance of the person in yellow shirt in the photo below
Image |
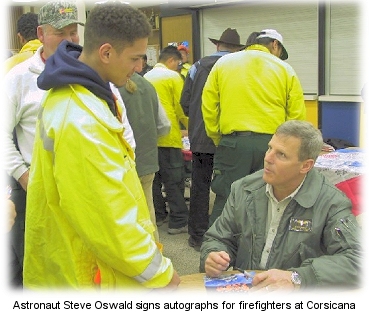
27	35
247	95
168	84
185	65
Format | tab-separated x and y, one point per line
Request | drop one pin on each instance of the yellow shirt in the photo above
250	90
168	84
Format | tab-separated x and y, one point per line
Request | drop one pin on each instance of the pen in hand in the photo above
246	273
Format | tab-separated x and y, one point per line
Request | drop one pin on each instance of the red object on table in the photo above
352	188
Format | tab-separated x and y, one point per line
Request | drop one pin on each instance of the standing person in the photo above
201	146
57	21
168	84
86	211
145	67
184	66
288	220
247	95
148	121
27	34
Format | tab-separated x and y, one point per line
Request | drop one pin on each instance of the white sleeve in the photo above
128	133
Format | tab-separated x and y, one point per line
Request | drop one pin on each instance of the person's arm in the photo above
14	162
187	90
216	263
219	247
11	214
341	263
163	124
211	106
273	280
296	108
128	134
177	89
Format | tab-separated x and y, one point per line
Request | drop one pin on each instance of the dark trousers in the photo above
16	252
236	156
201	176
172	174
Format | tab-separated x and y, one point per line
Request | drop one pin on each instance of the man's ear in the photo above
307	165
105	51
21	39
40	33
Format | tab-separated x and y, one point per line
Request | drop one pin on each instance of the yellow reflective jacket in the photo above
169	84
27	51
86	210
250	90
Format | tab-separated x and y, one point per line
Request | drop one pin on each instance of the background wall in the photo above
298	23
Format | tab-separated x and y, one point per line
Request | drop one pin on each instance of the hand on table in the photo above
216	263
272	280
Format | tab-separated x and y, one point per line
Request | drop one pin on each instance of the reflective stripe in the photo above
152	268
46	141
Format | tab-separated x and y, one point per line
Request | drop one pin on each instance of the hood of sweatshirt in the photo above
64	68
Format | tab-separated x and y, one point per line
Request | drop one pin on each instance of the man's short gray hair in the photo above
311	138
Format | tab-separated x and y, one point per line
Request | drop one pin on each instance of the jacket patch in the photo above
300	225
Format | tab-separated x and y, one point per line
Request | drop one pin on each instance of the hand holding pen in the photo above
246	273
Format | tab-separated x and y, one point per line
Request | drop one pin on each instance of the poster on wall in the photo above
152	53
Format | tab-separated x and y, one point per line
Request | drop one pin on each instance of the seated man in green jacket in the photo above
287	220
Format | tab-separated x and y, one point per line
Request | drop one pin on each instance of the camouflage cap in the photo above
59	14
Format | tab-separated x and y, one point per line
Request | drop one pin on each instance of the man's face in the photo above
282	169
184	56
51	37
173	63
121	66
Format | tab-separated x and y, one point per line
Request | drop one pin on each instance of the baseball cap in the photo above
273	34
183	47
59	14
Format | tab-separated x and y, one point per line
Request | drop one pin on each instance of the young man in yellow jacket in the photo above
87	217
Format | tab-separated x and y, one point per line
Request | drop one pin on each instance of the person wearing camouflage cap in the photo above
59	14
58	21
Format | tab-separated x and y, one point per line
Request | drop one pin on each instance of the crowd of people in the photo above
93	156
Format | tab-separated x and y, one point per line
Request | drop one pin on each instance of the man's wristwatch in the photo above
296	279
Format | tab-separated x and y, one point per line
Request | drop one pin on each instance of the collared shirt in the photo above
275	211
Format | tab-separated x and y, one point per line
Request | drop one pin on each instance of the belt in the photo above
242	133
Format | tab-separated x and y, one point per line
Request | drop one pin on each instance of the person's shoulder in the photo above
173	74
17	59
142	82
250	182
23	68
208	62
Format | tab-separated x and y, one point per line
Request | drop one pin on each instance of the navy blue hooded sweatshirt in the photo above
64	68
